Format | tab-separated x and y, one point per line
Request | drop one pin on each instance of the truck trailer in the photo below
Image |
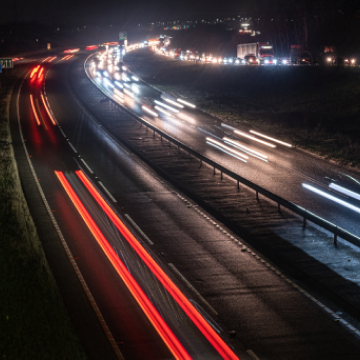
263	52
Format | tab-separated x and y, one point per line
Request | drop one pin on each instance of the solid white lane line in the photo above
252	354
107	191
72	146
138	229
192	288
88	167
62	132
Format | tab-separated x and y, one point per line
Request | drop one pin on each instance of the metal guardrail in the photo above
305	214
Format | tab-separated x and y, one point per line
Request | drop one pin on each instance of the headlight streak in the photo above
118	93
47	109
254	138
34	110
119	98
186	103
246	149
166	106
173	103
226	152
227	148
345	191
128	92
145	304
153	113
331	197
158	108
135	78
119	85
206	329
270	138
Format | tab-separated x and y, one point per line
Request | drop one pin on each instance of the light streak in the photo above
235	143
227	148
345	191
186	103
254	138
331	197
34	111
119	85
166	106
40	72
47	109
162	110
135	78
270	138
206	329
52	59
118	98
153	113
148	308
46	59
118	93
34	71
131	94
174	103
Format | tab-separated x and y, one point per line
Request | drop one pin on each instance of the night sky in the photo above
116	10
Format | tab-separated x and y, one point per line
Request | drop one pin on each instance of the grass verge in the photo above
315	108
33	321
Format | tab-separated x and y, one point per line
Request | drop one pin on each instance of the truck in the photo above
262	51
299	55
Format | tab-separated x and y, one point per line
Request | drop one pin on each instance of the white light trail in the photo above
186	103
229	149
119	85
226	152
246	149
166	106
162	110
153	113
135	78
331	197
270	138
174	103
128	92
254	138
345	191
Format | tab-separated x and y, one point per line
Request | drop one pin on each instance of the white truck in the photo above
262	52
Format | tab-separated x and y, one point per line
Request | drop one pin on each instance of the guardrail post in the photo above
279	207
257	195
238	187
335	239
146	129
154	133
161	137
214	170
221	175
200	163
304	223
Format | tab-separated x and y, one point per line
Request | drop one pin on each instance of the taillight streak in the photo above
40	72
47	109
150	311
34	111
210	334
34	71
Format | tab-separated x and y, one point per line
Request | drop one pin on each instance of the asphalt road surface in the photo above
235	291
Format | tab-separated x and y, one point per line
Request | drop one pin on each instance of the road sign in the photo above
123	35
6	63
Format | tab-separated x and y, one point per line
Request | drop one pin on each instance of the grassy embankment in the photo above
33	321
316	108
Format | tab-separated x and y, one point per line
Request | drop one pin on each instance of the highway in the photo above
232	290
294	175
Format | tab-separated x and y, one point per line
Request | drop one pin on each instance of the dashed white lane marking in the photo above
252	354
72	146
182	277
276	271
62	132
88	167
107	191
139	230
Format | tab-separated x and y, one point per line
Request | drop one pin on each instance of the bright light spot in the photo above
135	78
119	85
166	106
186	103
106	74
253	138
331	197
345	191
266	61
128	92
270	138
153	113
124	68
